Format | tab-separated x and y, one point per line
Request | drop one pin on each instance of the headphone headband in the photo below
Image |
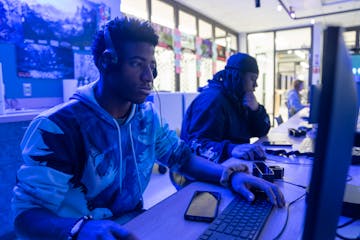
110	56
109	45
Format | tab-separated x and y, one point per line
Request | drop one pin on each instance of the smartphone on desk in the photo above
204	206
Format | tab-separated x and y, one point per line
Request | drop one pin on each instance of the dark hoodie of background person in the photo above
217	121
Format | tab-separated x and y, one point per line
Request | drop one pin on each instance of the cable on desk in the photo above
349	178
297	185
287	216
348	222
345	238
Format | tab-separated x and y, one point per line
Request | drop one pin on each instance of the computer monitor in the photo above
334	140
314	103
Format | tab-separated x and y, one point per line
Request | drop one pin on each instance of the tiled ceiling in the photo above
243	16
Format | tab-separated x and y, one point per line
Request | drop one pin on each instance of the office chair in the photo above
279	120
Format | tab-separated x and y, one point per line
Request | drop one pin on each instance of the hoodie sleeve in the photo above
259	122
170	150
203	129
43	179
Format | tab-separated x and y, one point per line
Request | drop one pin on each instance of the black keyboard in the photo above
241	219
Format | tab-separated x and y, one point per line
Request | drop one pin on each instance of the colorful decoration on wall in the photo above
198	52
177	50
206	48
165	36
187	42
221	53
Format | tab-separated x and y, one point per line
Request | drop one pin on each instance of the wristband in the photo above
74	232
229	171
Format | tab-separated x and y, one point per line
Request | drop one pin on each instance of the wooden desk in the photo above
166	219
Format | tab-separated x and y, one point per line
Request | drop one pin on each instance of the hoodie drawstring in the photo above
134	157
120	148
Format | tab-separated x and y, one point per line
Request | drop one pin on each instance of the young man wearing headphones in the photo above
87	162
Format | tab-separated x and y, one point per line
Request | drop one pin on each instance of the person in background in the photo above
221	120
88	161
293	97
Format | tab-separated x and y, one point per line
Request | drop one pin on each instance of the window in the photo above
136	8
187	23
162	14
350	39
293	39
232	41
205	30
220	37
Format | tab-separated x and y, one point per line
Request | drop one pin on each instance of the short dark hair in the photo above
123	30
297	84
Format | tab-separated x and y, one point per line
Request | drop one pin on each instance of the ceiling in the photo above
243	16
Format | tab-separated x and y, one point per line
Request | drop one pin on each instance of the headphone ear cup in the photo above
106	60
154	73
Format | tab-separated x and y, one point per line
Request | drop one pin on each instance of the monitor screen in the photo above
334	139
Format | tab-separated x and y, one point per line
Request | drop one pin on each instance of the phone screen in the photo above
203	206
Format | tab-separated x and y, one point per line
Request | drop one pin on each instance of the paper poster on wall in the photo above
70	23
221	53
10	21
52	30
206	48
165	36
85	69
44	61
187	42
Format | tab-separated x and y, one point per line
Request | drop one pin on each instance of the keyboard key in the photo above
239	220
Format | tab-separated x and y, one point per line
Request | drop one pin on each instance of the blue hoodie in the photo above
79	160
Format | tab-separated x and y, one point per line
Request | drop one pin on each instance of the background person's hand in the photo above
248	152
242	181
249	100
105	230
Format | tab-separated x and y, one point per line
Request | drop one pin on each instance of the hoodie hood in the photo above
85	94
229	87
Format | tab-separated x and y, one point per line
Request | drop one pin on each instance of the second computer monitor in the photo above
334	140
